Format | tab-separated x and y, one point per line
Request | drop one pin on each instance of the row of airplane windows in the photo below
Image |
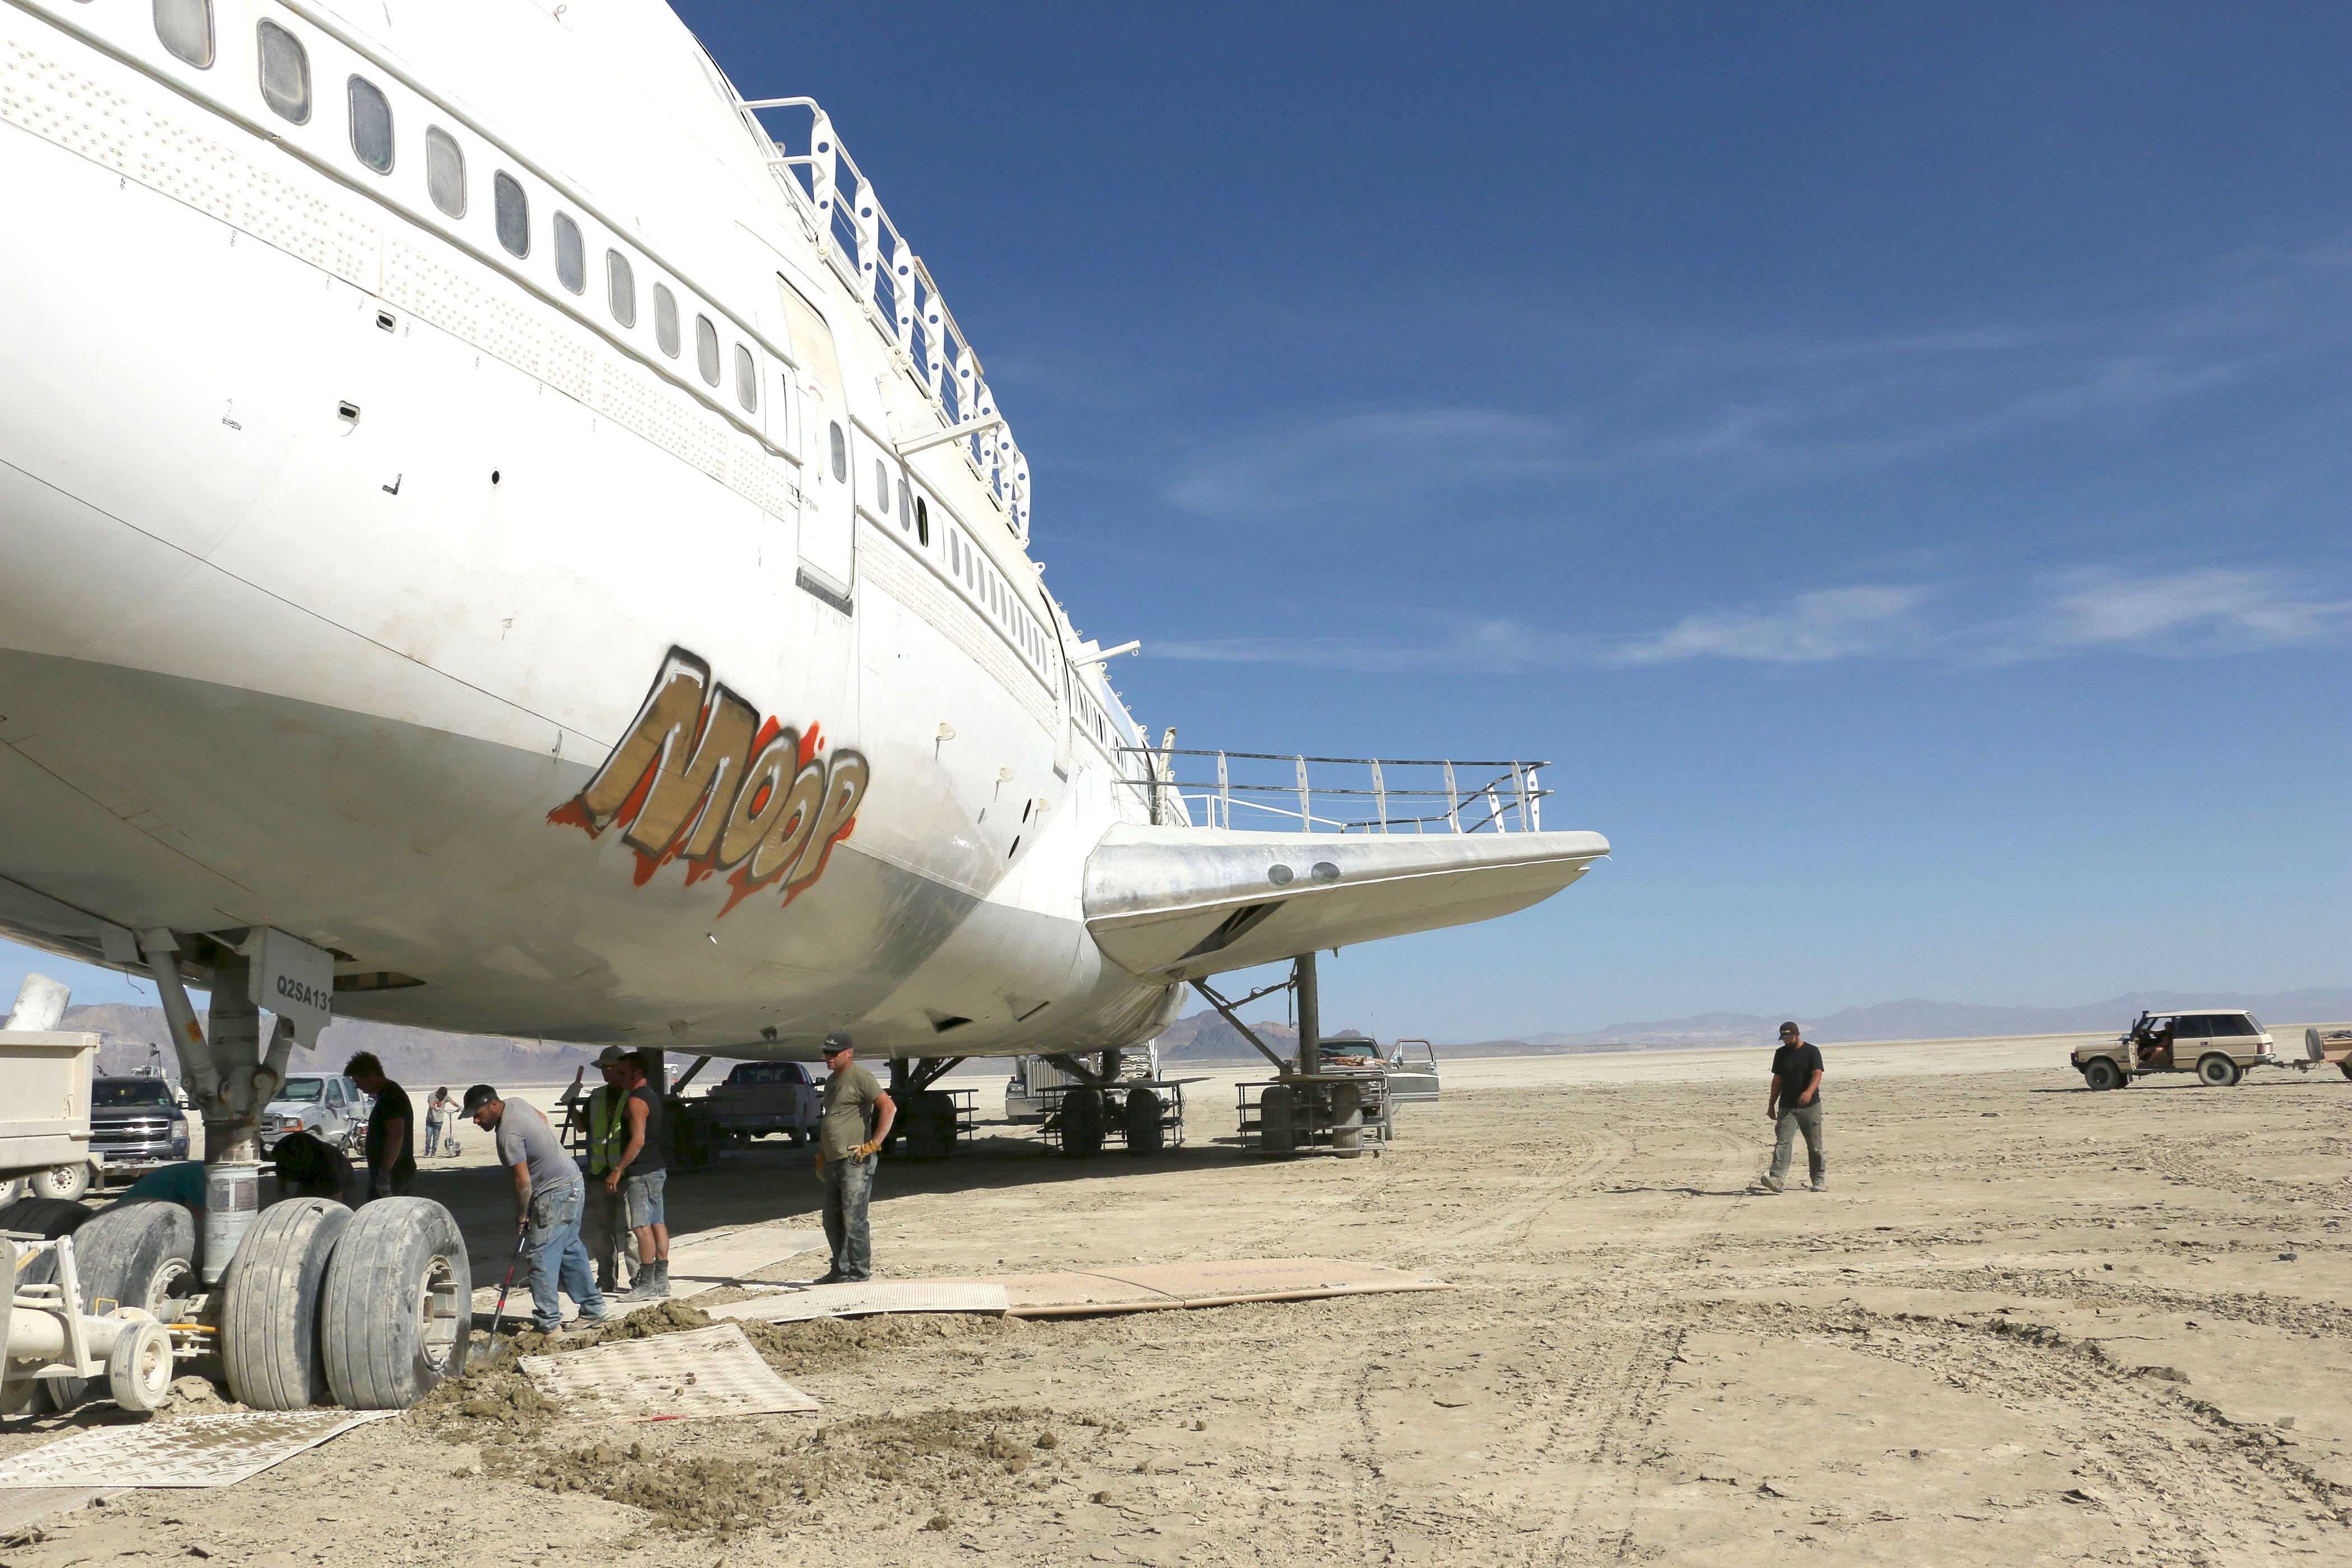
966	563
185	28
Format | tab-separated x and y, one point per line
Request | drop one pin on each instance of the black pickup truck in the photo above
136	1122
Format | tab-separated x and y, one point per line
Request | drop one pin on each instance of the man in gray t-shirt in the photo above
548	1198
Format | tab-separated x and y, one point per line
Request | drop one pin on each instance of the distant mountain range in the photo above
422	1057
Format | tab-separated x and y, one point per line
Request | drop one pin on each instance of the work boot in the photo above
1772	1184
1821	1184
658	1286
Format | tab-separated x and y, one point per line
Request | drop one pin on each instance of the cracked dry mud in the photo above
2027	1324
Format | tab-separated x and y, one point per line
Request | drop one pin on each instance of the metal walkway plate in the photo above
191	1451
670	1377
1156	1287
697	1264
867	1300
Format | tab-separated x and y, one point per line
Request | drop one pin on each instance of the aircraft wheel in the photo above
2101	1072
45	1218
1144	1133
1082	1123
1276	1136
397	1305
2217	1070
269	1313
140	1255
139	1367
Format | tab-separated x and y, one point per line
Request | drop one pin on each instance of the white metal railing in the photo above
858	237
1355	795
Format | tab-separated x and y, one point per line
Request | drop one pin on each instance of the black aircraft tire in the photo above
398	1309
1082	1123
270	1311
932	1125
46	1216
133	1254
1144	1133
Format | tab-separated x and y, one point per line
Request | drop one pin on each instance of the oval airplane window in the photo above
370	125
621	288
903	507
747	380
445	171
922	523
285	74
881	487
666	319
512	209
185	27
840	454
570	260
706	349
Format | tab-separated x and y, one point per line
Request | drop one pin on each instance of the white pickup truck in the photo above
764	1097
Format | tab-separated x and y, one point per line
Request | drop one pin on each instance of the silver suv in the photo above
329	1108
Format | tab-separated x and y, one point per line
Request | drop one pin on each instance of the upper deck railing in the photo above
1354	794
868	253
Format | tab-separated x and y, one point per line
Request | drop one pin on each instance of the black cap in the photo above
478	1096
836	1041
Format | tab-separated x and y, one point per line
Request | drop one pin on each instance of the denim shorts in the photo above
642	1197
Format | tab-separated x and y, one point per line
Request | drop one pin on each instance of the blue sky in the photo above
1893	461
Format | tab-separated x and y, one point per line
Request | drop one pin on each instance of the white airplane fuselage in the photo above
346	554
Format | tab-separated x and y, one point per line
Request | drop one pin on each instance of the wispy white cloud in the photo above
2206	612
1750	408
1350	459
2185	614
1814	627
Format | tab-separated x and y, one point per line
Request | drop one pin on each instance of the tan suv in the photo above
2216	1044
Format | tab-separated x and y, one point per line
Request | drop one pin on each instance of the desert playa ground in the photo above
2027	1324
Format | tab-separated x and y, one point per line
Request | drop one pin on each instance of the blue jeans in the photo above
432	1139
849	1185
557	1258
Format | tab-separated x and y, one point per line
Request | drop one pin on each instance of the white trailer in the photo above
45	1115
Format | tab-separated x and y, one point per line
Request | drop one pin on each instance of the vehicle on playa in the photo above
134	1122
2216	1044
328	1106
758	1097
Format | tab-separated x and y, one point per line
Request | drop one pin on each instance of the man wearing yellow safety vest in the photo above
608	1134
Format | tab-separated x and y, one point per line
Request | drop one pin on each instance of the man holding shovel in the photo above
548	1199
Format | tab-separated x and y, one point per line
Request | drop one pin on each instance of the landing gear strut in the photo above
375	1309
1308	1105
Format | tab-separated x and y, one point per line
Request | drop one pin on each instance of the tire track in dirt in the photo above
2194	1486
2292	1313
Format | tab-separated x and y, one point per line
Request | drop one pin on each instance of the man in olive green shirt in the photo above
855	1118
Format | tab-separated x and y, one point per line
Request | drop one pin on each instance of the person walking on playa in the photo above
1793	1103
439	1112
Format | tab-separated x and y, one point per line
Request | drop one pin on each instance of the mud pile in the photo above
823	1344
928	1463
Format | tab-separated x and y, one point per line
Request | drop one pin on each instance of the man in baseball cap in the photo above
855	1118
547	1206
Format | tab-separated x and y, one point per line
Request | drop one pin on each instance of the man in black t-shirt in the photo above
391	1128
1793	1103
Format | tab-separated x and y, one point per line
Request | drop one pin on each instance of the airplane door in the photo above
828	524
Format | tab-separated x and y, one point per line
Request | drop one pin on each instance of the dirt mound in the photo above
822	1345
926	1463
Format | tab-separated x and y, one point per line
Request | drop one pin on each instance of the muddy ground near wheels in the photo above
2026	1323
